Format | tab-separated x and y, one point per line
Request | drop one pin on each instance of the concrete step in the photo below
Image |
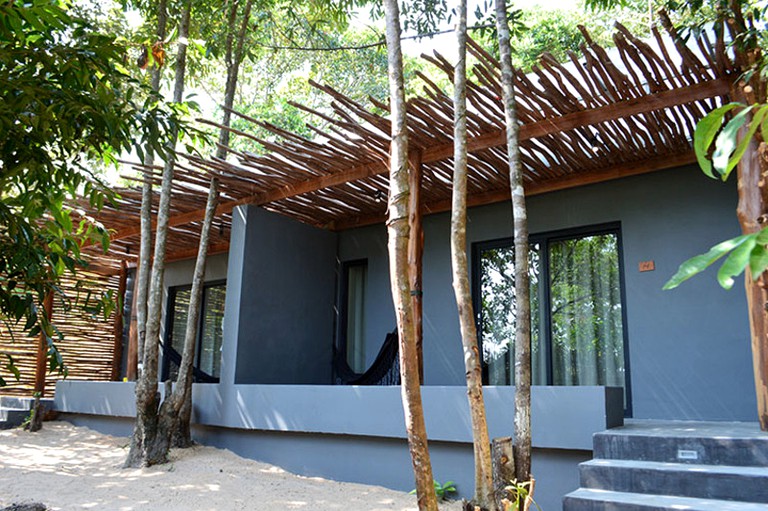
747	484
731	444
12	418
23	403
602	500
15	403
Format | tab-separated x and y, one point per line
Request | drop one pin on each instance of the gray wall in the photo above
688	348
386	462
357	433
368	460
286	292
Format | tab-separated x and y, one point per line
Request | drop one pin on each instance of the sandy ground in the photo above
75	468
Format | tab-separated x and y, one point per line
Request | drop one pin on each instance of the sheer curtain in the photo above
355	328
586	316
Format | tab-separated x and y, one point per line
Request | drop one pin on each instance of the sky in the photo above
445	43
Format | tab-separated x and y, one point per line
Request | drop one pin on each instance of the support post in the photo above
415	254
42	348
117	349
132	366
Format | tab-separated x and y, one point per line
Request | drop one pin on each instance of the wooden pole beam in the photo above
586	178
415	255
583	118
132	364
181	255
590	117
117	348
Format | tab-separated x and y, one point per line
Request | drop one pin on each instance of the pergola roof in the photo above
605	114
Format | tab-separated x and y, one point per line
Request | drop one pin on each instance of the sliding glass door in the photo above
577	310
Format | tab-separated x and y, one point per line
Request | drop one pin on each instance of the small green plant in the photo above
518	494
443	491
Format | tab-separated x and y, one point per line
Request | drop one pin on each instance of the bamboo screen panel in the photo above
88	345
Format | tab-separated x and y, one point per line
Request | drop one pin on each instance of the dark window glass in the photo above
577	320
209	336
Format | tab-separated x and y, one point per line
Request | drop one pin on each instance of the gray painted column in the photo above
231	324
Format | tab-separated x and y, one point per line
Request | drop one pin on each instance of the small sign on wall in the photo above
646	266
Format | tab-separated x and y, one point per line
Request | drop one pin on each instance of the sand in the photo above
75	468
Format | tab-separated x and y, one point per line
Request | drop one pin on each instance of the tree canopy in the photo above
67	101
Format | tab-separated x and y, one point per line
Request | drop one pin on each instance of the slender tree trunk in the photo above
176	410
147	446
398	234
41	364
522	444
752	210
145	249
233	58
484	492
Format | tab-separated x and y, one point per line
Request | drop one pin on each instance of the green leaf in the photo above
746	140
758	260
705	132
701	262
726	143
736	262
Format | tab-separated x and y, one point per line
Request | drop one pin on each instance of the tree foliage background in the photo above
66	102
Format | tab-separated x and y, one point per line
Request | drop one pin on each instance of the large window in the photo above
209	333
577	312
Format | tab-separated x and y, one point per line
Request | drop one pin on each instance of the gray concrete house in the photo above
298	305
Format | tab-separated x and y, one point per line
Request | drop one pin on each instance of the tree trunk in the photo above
522	446
176	410
752	210
41	364
753	214
398	235
144	268
503	460
233	58
148	447
484	494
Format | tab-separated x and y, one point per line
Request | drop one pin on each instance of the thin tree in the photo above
177	415
176	410
233	57
147	446
522	443
398	232
145	243
484	489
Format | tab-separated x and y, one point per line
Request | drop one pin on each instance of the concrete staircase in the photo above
675	465
15	410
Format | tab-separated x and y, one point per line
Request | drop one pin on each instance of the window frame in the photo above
545	331
169	320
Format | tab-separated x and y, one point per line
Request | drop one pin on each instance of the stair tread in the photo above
689	429
673	502
676	467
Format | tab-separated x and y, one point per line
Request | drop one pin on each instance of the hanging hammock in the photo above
175	357
385	369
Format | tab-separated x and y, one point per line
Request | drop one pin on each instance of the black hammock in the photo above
175	357
385	370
